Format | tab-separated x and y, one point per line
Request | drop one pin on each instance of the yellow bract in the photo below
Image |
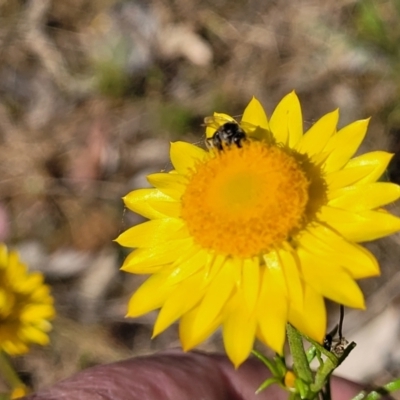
26	305
254	237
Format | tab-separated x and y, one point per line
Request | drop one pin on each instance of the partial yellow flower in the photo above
19	392
250	238
290	380
26	305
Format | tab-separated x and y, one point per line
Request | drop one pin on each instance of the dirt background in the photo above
91	94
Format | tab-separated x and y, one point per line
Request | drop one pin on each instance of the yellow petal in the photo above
42	294
330	281
344	144
151	295
369	268
34	335
218	293
365	197
172	185
254	114
188	264
185	297
291	269
250	282
363	226
340	220
364	169
331	249
378	161
273	263
237	270
214	263
312	319
149	260
15	347
153	233
185	156
316	138
34	312
28	284
286	121
189	333
43	324
273	308
345	177
141	201
239	329
170	209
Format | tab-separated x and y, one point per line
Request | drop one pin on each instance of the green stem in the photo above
392	386
268	363
8	373
378	393
325	392
301	366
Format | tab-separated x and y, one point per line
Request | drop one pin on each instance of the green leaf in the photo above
266	384
268	363
300	363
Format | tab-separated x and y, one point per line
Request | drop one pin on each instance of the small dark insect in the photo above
226	135
328	341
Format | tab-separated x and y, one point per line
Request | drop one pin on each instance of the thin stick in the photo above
341	322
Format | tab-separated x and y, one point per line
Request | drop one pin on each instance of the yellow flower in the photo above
19	392
289	380
25	305
254	237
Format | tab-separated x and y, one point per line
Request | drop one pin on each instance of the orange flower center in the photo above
245	201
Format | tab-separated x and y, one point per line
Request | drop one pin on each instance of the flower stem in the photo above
378	393
268	363
8	373
392	386
301	366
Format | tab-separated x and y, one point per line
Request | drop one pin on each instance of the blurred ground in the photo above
91	93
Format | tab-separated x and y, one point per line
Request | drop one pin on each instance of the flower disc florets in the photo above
245	201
